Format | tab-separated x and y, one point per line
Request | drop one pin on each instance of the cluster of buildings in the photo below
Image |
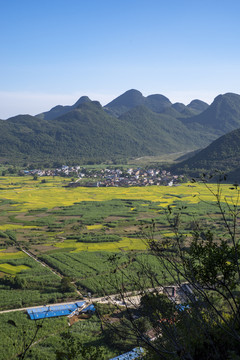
130	177
61	171
110	177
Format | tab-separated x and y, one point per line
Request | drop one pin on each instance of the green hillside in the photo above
141	126
132	98
222	154
194	108
223	115
86	132
197	105
162	132
60	110
89	133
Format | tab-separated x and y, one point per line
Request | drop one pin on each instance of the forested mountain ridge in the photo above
132	98
130	126
60	110
223	115
222	154
129	100
89	132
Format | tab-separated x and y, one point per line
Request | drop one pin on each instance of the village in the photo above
81	176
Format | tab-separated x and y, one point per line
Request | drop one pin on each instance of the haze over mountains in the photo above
129	126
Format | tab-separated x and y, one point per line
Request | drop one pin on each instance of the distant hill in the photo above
60	110
194	108
197	105
161	132
223	115
85	132
222	154
129	100
89	133
133	98
129	126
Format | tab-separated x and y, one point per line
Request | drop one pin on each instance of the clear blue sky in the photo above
54	51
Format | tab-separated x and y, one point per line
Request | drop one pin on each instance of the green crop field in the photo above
16	329
75	232
71	228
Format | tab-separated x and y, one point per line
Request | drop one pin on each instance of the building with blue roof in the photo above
53	310
136	353
88	309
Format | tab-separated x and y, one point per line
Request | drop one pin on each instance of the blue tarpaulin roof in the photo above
181	307
88	308
54	310
131	355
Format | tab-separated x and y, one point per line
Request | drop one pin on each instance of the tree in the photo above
73	349
66	285
200	319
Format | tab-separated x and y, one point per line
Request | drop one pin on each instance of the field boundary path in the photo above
34	257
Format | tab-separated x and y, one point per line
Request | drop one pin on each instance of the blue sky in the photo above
54	51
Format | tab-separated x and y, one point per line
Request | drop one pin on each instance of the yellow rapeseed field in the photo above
11	269
15	227
34	195
11	255
124	245
95	227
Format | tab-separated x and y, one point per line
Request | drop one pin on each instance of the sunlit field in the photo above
75	230
49	213
11	269
30	194
124	245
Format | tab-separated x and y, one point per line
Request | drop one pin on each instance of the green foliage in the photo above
155	306
11	234
95	273
205	272
92	212
95	238
66	285
3	235
17	332
133	98
222	154
73	349
147	126
121	336
83	341
212	263
37	285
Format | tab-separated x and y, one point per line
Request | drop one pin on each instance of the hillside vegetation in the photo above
130	126
223	154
